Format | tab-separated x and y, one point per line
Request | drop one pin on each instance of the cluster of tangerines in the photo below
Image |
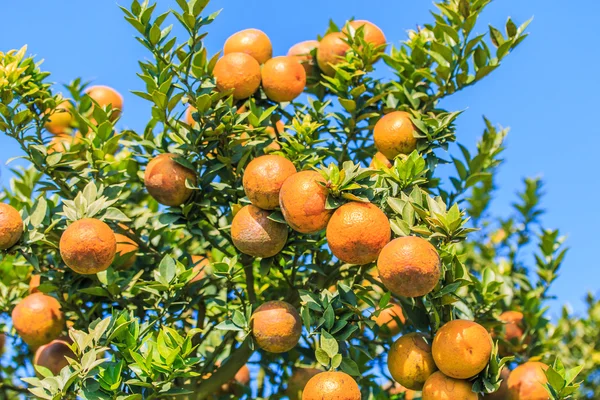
408	266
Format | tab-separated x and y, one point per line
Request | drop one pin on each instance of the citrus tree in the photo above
280	228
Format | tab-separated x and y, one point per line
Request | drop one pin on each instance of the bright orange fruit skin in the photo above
88	246
253	233
238	72
410	361
283	78
34	283
302	52
11	226
165	180
462	349
201	264
394	134
331	385
388	321
253	42
53	355
302	200
372	33
442	387
38	319
526	382
332	49
189	118
104	96
62	143
59	121
409	266
276	326
357	232
263	179
127	249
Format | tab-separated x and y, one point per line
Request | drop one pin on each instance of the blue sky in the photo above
542	91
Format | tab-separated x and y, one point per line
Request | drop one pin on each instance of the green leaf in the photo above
166	269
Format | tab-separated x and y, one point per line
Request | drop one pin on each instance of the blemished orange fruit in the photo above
88	246
11	226
105	96
298	380
410	361
442	387
253	42
263	179
126	249
379	161
302	200
371	32
63	143
502	392
513	328
462	349
332	48
357	232
54	355
60	119
283	78
390	320
38	319
253	233
201	264
331	385
302	52
34	283
526	382
238	72
409	266
394	134
165	180
276	326
399	389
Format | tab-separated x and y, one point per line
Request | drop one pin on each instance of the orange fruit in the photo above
34	283
394	134
502	392
409	266
390	320
371	32
189	118
276	326
379	161
302	52
165	180
11	226
357	232
201	264
253	233
238	72
442	387
332	48
38	319
462	349
253	42
263	178
331	385
526	382
399	389
513	329
410	361
63	142
54	355
302	200
241	378
105	96
273	134
283	78
126	249
298	380
88	246
60	119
